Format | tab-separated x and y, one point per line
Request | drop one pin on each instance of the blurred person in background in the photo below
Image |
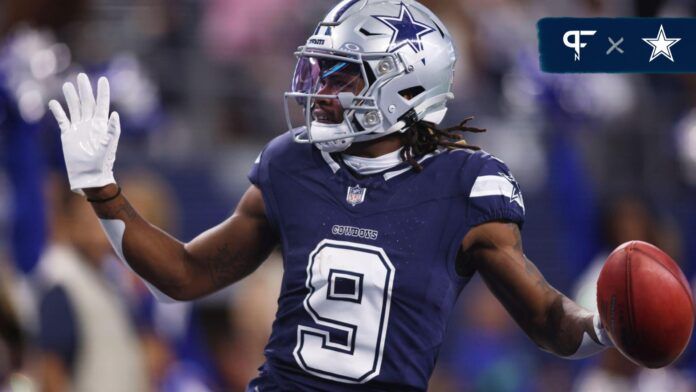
163	327
31	57
487	352
12	339
87	338
253	308
236	333
626	218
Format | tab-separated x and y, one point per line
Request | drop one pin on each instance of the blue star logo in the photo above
406	30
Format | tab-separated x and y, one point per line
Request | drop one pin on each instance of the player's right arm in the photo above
214	259
184	271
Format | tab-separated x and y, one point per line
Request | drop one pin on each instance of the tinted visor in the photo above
320	76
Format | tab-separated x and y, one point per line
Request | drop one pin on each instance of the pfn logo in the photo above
576	42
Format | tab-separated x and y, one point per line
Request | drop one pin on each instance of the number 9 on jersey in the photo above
350	287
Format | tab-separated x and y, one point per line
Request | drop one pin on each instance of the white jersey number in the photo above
350	289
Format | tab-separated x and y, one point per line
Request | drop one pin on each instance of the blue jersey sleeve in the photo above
495	195
279	152
253	175
260	173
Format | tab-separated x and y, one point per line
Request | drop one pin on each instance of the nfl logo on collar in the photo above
355	195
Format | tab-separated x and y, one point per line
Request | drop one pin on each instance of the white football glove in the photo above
89	139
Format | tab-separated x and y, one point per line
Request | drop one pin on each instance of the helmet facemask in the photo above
333	91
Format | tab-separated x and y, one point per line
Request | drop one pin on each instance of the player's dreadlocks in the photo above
424	137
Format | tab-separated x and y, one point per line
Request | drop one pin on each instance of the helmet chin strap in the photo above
322	131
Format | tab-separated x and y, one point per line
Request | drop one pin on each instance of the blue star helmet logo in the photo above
406	30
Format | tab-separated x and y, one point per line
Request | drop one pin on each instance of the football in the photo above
645	304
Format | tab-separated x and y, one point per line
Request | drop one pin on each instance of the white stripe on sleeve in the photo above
491	186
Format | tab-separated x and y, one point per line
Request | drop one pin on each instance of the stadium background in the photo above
600	159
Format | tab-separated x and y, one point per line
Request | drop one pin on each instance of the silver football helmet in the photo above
371	68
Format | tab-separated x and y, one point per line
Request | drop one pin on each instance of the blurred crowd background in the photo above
601	159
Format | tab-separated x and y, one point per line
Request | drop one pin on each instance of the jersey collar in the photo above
338	166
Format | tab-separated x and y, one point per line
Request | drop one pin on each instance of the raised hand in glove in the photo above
89	137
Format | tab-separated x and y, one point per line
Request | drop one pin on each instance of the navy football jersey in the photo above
370	278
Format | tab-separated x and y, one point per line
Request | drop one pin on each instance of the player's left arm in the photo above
553	321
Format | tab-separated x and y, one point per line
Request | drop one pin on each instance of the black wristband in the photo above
118	193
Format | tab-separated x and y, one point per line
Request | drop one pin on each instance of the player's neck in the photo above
376	148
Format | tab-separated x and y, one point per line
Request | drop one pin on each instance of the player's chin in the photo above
323	117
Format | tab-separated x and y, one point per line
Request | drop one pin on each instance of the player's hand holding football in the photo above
89	137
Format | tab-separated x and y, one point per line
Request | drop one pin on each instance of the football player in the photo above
382	216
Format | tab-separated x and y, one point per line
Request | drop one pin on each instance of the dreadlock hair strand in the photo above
424	137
